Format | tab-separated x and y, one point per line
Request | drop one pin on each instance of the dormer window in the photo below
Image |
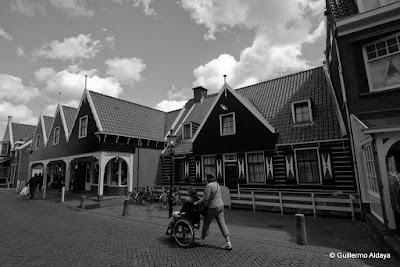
37	144
56	137
83	122
301	112
227	124
4	149
382	62
187	131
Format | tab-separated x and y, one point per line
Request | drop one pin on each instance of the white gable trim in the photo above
175	122
44	131
242	100
25	145
10	132
183	121
93	108
64	122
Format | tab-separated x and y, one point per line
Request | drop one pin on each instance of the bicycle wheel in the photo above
147	198
139	198
163	201
131	198
183	232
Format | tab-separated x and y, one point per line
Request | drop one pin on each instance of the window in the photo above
227	124
301	112
56	137
308	166
255	166
4	172
187	131
371	172
83	126
210	165
37	145
366	5
4	149
382	60
179	170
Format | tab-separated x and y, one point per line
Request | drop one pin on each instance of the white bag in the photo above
24	191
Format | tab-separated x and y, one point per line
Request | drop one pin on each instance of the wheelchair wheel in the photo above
183	232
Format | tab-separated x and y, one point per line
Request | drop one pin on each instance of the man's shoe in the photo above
227	247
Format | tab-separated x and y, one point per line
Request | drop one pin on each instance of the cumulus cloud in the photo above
125	70
144	4
12	90
74	8
28	8
176	99
280	28
4	36
110	41
71	82
79	47
20	113
20	51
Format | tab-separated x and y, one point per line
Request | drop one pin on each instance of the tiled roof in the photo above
48	122
69	114
22	131
342	8
120	117
200	110
170	118
381	119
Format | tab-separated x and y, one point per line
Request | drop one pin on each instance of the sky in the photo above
150	52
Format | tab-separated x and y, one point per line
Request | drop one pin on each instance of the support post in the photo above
62	194
301	232
83	204
281	202
313	205
253	201
126	208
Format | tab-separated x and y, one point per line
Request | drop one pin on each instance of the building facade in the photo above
363	55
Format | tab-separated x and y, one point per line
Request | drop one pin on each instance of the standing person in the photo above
213	200
40	181
33	183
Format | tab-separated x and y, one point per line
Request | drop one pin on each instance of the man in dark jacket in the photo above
33	183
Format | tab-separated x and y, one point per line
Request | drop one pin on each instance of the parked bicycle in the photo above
164	198
144	196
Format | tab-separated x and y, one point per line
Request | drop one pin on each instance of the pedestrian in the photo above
40	181
188	209
213	201
33	183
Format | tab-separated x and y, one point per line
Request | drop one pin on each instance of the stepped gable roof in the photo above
342	8
380	119
69	114
274	98
171	116
22	132
48	122
120	117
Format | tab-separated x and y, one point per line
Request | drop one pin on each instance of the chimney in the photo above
9	119
199	93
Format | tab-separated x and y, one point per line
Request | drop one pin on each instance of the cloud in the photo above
71	82
110	41
74	8
280	30
20	51
79	47
28	8
145	4
125	70
176	99
20	113
12	90
169	105
4	36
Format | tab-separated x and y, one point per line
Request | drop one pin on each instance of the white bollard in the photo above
17	187
62	194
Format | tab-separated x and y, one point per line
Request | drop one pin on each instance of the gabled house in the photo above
15	152
107	145
282	134
363	55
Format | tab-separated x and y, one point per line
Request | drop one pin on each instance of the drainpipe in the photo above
353	152
138	165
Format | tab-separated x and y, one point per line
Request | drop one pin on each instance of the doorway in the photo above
231	171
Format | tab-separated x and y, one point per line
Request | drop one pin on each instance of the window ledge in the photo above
380	92
301	124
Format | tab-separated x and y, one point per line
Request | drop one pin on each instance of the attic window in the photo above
227	124
4	149
301	112
187	131
56	137
83	121
37	144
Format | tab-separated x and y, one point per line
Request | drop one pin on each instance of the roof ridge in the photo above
23	124
120	99
64	106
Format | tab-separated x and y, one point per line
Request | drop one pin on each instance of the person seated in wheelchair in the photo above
188	210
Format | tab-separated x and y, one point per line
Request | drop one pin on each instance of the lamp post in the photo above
171	144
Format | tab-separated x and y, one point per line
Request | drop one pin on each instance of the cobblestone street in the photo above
46	233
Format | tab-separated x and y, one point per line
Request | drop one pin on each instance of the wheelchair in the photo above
184	228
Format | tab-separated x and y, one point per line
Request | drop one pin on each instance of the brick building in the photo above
363	55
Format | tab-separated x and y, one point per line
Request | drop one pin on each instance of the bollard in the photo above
62	194
301	232
8	185
83	200
126	207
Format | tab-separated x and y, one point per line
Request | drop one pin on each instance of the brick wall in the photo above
148	169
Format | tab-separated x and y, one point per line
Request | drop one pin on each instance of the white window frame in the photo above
190	131
372	177
319	166
308	101
202	164
56	141
367	61
361	6
80	128
247	168
1	154
37	143
221	123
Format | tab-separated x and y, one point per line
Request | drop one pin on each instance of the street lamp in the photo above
171	144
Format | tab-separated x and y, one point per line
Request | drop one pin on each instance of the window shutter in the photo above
290	173
241	168
198	169
269	166
186	170
326	167
218	162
